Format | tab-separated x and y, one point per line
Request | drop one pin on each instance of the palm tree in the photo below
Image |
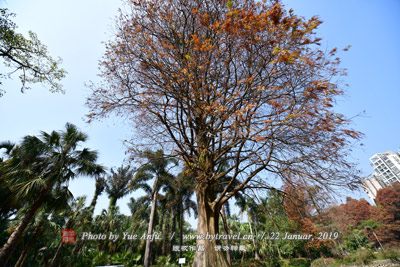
184	188
45	222
76	209
157	167
107	221
40	164
9	204
140	210
117	183
247	204
88	211
139	207
167	205
99	188
56	203
37	226
225	208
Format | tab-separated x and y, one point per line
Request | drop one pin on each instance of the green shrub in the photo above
323	262
165	261
251	263
189	256
296	262
359	257
364	256
389	253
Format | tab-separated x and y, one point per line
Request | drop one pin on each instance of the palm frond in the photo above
32	186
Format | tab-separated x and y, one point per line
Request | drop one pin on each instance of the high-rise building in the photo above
371	185
387	166
387	171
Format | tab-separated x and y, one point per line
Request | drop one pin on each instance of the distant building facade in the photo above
387	166
387	171
371	185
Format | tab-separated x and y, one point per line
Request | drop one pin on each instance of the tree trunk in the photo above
256	256
53	261
165	241
13	240
180	210
113	201
279	253
173	230
78	246
150	228
226	229
68	225
94	201
90	209
207	225
28	247
96	195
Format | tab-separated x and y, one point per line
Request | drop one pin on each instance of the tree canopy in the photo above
238	81
28	56
246	82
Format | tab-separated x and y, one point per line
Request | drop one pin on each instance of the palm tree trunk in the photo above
150	228
166	233
228	255
96	195
113	201
68	225
256	256
180	227
174	216
53	261
28	247
13	240
94	201
78	247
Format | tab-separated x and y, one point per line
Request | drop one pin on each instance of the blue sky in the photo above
75	30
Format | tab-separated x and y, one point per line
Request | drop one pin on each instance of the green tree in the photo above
117	183
100	185
9	204
355	239
76	209
139	207
87	213
168	217
27	56
184	186
37	226
274	219
40	164
248	205
157	167
55	205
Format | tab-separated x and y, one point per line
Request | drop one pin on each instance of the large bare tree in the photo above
238	81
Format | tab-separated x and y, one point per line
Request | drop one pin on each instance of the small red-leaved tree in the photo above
388	213
237	81
304	207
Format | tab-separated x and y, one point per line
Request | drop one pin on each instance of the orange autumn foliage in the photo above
239	81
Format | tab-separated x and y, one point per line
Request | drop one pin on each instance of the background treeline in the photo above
36	206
